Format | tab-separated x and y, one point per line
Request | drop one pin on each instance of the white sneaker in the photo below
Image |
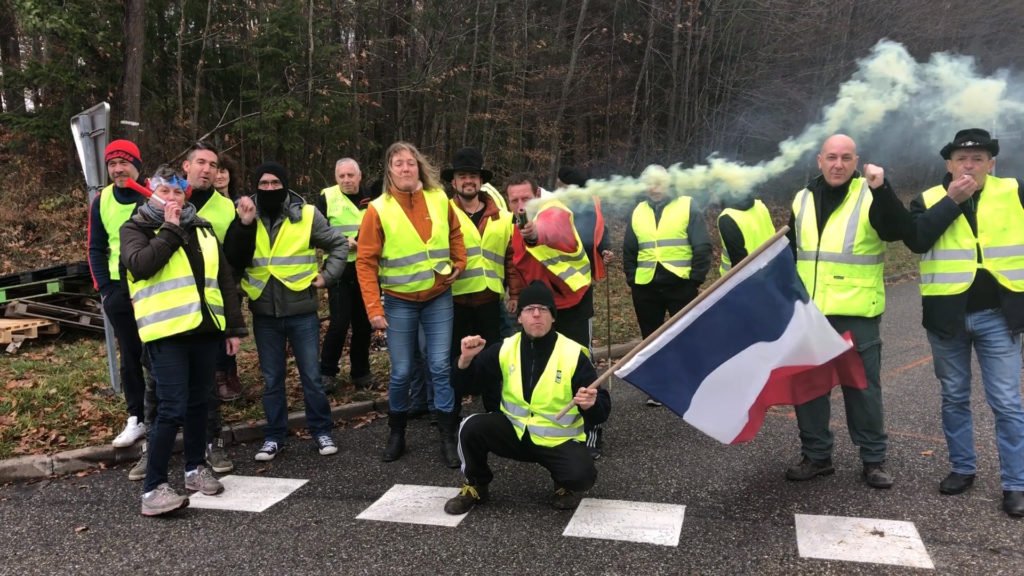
133	430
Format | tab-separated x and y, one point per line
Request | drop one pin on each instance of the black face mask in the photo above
270	200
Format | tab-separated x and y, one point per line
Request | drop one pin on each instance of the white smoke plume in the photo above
891	103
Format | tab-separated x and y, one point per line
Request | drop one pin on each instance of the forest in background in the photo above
610	85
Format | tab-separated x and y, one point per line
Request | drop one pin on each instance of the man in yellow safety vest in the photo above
344	205
541	372
274	241
487	233
970	232
838	229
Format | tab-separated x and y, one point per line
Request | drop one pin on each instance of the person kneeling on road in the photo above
527	428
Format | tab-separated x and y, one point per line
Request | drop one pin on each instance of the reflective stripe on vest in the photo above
665	242
219	211
485	256
572	268
168	303
552	393
291	259
951	265
843	270
755	224
113	215
343	215
407	263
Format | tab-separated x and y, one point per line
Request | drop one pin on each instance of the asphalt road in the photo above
739	515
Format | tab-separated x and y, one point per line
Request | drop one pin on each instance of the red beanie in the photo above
123	149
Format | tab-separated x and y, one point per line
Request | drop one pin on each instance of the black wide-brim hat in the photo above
971	138
467	160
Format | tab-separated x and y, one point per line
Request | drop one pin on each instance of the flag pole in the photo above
675	317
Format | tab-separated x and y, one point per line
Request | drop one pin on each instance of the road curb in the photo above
37	467
40	466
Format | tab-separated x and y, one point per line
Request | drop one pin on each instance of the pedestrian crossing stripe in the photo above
644	522
247	493
411	504
861	540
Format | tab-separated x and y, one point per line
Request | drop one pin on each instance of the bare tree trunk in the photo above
673	101
179	69
642	80
199	70
134	43
472	76
577	42
10	59
486	136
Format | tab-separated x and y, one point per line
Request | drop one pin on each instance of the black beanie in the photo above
270	168
537	293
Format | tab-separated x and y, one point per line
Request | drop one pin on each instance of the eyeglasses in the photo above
535	309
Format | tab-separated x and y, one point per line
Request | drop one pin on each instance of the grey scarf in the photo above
156	213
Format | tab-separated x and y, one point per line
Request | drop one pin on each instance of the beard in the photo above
468	193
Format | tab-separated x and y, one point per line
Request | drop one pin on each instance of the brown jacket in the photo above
371	244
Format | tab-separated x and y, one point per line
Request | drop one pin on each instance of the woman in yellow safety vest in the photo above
410	245
185	302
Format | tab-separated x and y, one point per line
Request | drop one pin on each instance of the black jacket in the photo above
147	246
700	243
733	243
944	315
534	354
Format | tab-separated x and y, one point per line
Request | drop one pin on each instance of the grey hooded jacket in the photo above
277	300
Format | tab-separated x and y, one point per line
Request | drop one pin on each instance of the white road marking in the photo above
247	493
412	504
645	522
861	540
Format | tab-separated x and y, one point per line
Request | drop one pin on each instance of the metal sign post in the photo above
91	131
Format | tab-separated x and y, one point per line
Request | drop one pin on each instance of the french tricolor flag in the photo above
757	340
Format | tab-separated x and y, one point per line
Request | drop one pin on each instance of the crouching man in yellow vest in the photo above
541	372
274	241
185	303
970	232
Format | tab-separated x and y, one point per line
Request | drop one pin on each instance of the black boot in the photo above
448	425
396	438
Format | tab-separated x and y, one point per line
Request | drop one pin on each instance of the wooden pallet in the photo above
18	329
69	310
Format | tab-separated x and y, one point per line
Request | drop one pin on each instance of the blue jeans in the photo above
999	355
421	391
183	369
404	320
303	332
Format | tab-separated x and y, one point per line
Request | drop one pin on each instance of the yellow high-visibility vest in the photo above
493	192
407	263
666	243
168	302
113	215
842	270
291	259
552	393
343	214
755	224
952	263
219	212
574	268
485	256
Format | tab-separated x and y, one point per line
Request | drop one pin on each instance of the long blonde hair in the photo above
428	174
